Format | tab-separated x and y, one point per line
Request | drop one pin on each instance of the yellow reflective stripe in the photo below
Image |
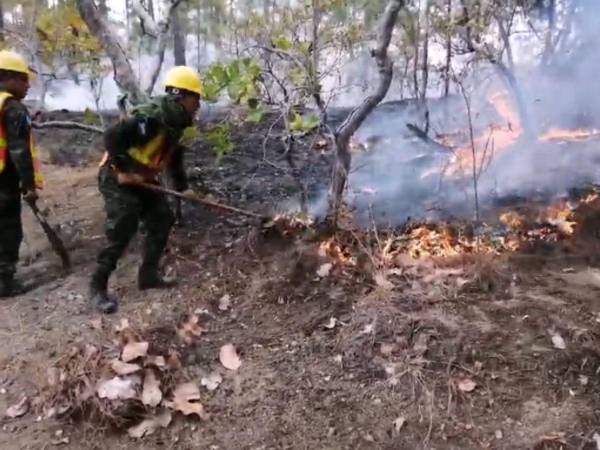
3	152
149	155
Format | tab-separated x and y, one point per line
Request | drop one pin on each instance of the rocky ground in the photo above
471	352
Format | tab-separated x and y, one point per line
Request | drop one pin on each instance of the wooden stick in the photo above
196	199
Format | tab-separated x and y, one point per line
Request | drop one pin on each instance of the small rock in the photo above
499	434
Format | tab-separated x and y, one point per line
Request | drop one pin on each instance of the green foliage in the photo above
91	117
238	78
301	125
190	135
219	137
64	35
256	115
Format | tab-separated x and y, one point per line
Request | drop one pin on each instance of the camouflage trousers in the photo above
11	231
126	207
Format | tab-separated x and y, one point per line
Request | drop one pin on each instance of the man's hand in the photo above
30	196
130	178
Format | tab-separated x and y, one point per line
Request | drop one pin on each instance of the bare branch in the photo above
67	125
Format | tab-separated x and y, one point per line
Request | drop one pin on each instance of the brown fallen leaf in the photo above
122	368
148	426
158	361
185	400
123	325
134	350
229	357
151	393
173	361
190	329
96	323
381	280
18	409
53	376
117	388
466	385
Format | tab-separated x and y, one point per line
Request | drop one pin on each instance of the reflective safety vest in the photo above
37	173
153	156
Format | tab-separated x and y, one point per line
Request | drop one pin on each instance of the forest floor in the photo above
476	352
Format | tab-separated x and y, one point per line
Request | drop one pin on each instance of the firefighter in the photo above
138	149
19	167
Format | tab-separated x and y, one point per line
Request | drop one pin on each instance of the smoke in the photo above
401	177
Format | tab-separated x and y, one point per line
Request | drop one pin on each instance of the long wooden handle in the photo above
196	199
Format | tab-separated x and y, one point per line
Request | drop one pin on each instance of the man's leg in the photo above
158	220
11	236
123	210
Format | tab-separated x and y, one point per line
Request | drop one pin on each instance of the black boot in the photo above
9	287
99	293
150	278
6	286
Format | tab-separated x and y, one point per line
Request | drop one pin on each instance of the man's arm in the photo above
18	141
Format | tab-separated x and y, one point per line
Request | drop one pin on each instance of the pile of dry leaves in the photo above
136	382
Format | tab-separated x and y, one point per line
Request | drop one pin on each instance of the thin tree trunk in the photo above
549	38
179	38
123	72
425	61
346	130
448	64
1	21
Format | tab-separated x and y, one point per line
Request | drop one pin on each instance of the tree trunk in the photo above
549	38
179	38
448	65
346	130
123	73
1	21
425	62
103	7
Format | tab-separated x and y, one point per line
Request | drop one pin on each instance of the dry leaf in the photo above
173	362
96	323
151	394
190	329
225	302
387	349
123	325
121	368
134	350
158	361
466	385
399	423
324	270
596	438
331	324
148	426
212	381
185	401
18	409
53	376
116	388
559	342
229	357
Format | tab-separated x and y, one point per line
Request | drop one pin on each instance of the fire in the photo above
579	135
333	250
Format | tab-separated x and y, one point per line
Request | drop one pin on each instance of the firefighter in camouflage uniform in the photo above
19	167
139	148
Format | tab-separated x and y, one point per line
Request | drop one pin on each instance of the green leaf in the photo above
255	116
219	137
190	135
91	117
282	43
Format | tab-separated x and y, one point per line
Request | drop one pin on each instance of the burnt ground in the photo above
415	364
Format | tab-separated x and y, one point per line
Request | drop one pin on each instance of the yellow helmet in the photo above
13	61
186	78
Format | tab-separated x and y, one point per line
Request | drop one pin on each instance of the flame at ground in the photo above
579	135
